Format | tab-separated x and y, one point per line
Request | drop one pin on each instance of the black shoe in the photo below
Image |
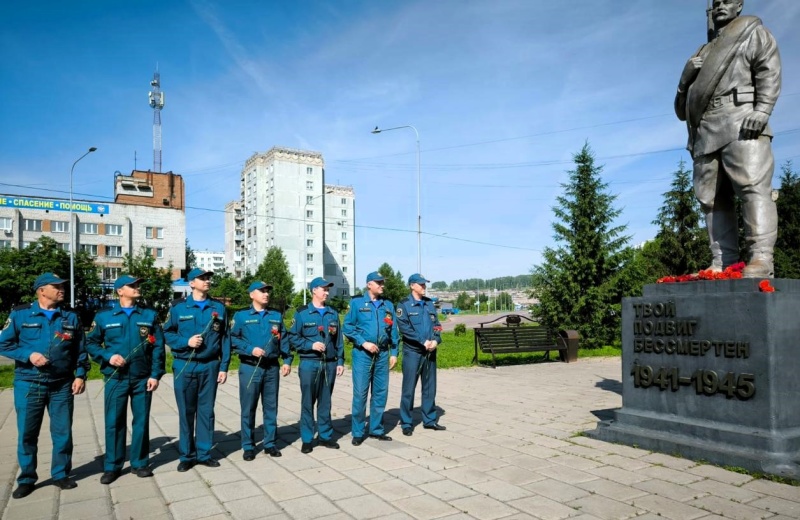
109	477
249	455
329	444
272	451
408	432
435	426
65	483
23	490
381	437
357	441
144	472
185	465
209	463
306	448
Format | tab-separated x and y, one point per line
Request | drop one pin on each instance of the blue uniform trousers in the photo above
369	370
418	366
195	394
117	392
262	381
30	400
316	386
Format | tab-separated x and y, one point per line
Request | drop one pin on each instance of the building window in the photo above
344	269
309	185
309	214
5	223
26	244
309	199
63	246
89	248
310	242
87	228
111	273
309	170
114	251
344	235
154	232
5	244
114	230
344	258
309	228
32	225
157	252
344	247
344	202
59	227
310	257
310	271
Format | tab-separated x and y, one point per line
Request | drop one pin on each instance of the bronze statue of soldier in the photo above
726	94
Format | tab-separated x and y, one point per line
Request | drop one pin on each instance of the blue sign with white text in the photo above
53	205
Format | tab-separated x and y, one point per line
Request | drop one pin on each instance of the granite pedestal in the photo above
711	371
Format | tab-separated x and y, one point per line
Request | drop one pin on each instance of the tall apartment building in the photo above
148	211
286	203
210	260
234	238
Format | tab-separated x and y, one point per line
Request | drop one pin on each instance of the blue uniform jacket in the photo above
114	332
418	322
60	340
249	330
367	322
186	318
309	326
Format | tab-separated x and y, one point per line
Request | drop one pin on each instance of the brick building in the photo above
148	212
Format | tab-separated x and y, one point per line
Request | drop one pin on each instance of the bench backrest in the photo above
512	338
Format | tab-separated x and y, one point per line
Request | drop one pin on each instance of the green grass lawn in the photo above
456	351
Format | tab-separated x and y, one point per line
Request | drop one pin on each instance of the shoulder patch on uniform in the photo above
399	312
22	307
92	326
166	320
8	322
292	324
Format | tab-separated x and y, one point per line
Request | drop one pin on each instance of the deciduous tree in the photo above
274	270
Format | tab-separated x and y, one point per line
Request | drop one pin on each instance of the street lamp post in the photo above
72	233
419	178
305	245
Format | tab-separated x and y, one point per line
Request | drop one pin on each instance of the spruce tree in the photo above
787	246
682	242
581	281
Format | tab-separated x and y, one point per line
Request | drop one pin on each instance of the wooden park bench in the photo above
511	337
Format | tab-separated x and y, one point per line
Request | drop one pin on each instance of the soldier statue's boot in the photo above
716	265
760	265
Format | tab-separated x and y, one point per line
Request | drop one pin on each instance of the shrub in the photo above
460	329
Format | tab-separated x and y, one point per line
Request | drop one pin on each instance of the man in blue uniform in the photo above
316	336
127	342
196	333
46	344
369	324
422	334
259	338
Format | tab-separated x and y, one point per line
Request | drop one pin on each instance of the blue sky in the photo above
502	92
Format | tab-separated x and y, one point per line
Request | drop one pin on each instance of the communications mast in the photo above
157	103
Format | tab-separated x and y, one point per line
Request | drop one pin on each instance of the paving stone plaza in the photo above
511	450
